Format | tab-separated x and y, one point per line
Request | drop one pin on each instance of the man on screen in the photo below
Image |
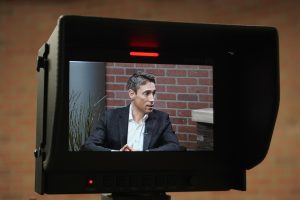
137	127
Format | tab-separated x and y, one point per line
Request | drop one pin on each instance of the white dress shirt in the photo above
135	134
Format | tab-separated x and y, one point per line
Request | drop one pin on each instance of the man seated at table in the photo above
136	127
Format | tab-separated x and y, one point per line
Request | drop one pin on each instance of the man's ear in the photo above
131	94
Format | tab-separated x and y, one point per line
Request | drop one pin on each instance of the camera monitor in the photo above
209	95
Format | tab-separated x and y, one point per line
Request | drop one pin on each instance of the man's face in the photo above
143	99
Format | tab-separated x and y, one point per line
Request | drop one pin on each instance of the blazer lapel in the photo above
123	125
149	127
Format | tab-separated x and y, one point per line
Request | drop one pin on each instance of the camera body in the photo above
245	87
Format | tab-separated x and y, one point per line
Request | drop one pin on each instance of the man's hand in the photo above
126	147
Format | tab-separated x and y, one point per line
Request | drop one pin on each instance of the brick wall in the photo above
26	25
180	89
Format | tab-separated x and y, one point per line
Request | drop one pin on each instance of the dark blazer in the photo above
110	132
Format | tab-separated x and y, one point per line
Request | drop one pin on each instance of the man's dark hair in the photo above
139	78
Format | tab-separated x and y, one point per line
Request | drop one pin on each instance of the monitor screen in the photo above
184	92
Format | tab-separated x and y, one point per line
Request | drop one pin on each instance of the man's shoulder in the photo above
117	110
159	113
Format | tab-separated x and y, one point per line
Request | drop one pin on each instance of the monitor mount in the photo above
136	196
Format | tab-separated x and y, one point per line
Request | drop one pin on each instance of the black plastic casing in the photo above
245	64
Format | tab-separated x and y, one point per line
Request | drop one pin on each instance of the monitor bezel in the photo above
75	37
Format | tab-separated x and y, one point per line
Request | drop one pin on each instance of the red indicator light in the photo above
91	182
143	54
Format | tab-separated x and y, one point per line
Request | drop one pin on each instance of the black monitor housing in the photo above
245	103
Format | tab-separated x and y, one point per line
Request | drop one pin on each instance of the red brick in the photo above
115	71
171	112
180	105
191	123
187	81
160	104
122	79
187	97
205	81
145	65
198	73
203	97
121	95
176	120
160	88
187	129
187	67
197	89
130	71
156	72
176	73
166	96
110	78
110	94
176	89
165	66
182	136
192	137
111	86
197	105
184	113
211	90
165	80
